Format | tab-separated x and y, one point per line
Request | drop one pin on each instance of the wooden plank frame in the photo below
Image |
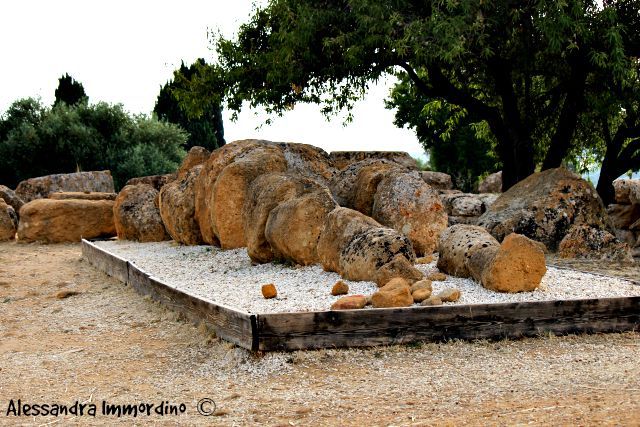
364	328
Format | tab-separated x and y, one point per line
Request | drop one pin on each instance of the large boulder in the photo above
627	191
403	201
544	206
264	194
516	265
63	195
294	226
370	250
196	156
137	215
340	227
230	189
437	180
623	216
342	159
41	187
218	160
587	242
156	181
177	208
8	221
308	161
491	184
11	198
69	220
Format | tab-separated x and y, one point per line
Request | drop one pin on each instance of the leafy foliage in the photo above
207	129
69	91
528	69
36	141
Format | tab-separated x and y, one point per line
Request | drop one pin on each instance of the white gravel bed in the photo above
229	278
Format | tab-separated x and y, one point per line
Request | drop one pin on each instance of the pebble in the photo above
340	288
269	291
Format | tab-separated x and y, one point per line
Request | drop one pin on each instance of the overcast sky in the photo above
123	51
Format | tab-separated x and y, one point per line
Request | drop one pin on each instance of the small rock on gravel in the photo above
432	300
420	295
449	295
269	291
421	284
437	277
340	288
351	302
394	294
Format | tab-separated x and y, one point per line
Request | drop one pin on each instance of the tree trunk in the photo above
605	183
516	154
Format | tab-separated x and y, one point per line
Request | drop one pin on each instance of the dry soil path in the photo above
106	343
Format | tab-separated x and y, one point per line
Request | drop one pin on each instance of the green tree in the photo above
456	146
69	91
525	68
206	130
36	141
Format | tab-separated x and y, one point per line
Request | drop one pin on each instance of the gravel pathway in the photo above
227	277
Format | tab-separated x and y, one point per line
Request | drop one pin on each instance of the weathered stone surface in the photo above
591	243
432	300
421	284
70	220
406	203
308	161
466	206
196	156
137	215
421	294
269	291
156	181
544	206
400	267
491	184
340	288
351	302
355	186
205	182
626	236
468	220
623	216
39	188
177	208
437	277
449	295
294	226
427	259
518	265
343	159
488	199
392	295
361	258
63	195
437	180
626	189
8	221
11	198
229	192
340	227
264	194
457	244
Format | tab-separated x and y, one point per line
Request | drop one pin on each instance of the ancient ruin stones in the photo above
137	215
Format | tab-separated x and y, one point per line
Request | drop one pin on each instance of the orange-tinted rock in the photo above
70	220
177	208
437	180
11	198
449	295
392	296
8	221
308	161
457	244
343	159
351	302
230	190
156	181
137	215
421	294
340	288
196	156
404	202
399	266
269	291
294	226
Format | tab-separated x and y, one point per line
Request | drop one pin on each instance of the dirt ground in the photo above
106	343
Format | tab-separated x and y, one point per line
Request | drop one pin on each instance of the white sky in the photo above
123	51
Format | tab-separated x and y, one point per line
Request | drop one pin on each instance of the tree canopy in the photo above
205	130
36	140
69	91
536	73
